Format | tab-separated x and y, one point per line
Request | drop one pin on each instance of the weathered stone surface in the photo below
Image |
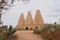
29	20
38	21
21	22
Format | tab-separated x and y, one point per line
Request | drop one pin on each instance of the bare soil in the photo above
28	35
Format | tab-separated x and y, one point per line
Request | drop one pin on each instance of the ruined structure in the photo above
29	23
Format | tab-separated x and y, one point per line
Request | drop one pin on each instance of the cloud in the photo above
57	10
55	16
53	13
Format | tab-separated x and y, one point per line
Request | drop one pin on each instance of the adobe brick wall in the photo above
29	22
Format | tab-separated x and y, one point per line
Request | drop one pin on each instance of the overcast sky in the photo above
50	11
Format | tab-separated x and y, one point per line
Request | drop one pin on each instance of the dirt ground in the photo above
27	35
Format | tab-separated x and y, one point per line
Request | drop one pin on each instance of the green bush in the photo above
8	33
2	38
47	31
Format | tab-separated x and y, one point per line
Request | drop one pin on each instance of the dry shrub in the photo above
52	35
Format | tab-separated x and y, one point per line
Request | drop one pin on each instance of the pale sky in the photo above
50	11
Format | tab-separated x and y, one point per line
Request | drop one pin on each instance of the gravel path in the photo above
27	35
